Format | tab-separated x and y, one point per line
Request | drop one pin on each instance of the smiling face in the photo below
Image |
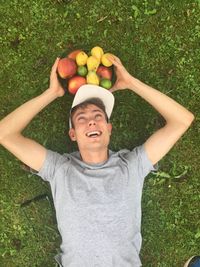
90	128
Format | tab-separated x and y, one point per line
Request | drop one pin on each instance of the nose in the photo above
92	122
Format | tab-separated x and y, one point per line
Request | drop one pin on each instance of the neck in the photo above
94	157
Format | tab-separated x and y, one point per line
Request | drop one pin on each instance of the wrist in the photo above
132	83
49	96
51	93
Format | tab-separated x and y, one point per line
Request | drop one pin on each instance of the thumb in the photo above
113	88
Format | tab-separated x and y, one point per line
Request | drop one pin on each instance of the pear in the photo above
97	52
105	61
92	63
92	78
81	58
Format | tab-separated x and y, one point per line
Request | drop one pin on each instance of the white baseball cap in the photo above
88	91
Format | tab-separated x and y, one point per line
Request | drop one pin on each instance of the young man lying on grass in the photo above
97	192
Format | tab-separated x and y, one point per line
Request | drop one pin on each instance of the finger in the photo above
115	60
112	59
113	88
55	65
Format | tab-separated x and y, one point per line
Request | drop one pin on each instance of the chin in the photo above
96	143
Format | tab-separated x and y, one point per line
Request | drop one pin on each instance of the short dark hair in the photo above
91	101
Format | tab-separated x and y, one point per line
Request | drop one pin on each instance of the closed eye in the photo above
98	116
81	119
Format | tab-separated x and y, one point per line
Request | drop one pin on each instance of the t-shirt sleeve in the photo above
139	162
53	161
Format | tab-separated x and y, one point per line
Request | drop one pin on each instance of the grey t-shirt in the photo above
98	207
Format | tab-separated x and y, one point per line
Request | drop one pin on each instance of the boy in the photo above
97	192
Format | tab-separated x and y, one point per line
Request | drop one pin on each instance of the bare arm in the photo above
25	149
178	118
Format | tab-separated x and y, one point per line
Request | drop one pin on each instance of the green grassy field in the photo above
158	42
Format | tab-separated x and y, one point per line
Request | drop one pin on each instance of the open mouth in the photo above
93	134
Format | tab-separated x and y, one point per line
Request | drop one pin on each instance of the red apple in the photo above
73	54
104	72
75	83
66	67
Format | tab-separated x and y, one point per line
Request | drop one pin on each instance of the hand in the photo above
55	85
123	76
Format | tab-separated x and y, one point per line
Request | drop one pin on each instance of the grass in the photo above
158	42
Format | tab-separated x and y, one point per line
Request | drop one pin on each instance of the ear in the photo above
72	134
110	128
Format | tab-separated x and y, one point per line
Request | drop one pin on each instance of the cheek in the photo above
80	133
109	129
107	133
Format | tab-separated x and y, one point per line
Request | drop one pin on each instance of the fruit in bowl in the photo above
81	58
74	53
75	83
92	78
104	72
66	68
106	83
80	67
82	71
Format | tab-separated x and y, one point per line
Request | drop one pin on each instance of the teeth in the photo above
93	133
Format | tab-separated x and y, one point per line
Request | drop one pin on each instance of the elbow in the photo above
187	121
1	137
184	123
190	119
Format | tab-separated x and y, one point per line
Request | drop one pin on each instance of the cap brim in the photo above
90	91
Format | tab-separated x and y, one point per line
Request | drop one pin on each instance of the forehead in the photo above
86	109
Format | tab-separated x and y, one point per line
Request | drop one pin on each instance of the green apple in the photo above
82	71
106	83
